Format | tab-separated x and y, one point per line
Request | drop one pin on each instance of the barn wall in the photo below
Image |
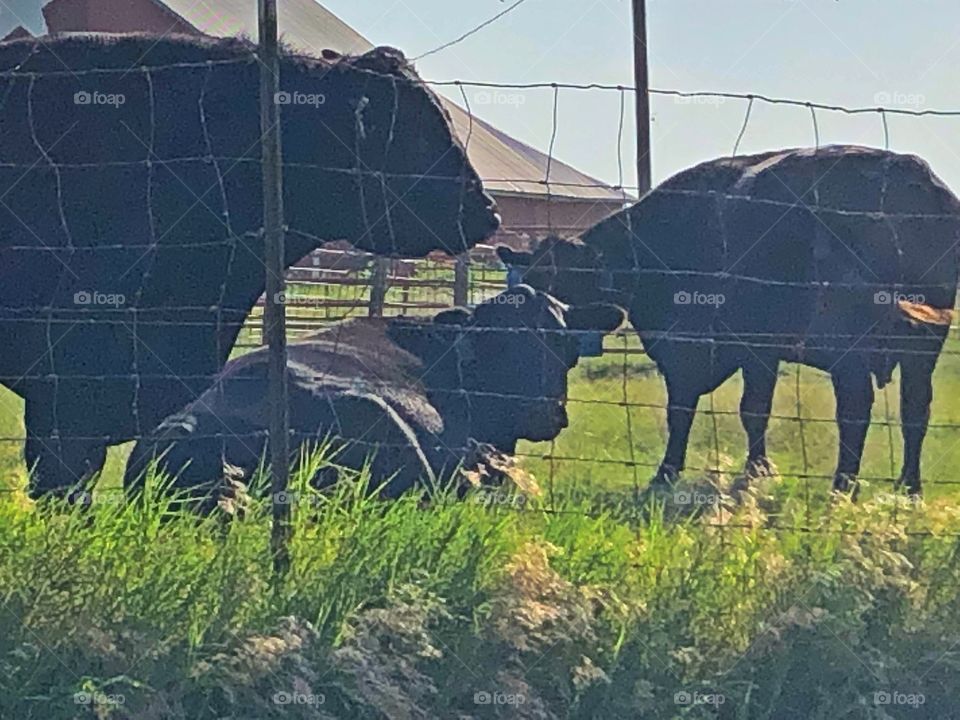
119	16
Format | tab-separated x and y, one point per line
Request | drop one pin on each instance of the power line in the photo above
475	30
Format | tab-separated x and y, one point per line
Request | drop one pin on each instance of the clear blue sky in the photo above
850	52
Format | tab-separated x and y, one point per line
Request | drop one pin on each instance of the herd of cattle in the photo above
842	258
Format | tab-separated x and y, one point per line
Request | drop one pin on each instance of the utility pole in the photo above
642	84
275	322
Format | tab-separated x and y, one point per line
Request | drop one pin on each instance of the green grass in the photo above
785	604
405	610
599	429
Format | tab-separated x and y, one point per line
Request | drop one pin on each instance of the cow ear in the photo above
596	316
454	316
510	257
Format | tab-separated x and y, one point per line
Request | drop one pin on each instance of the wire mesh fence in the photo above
148	339
331	286
575	409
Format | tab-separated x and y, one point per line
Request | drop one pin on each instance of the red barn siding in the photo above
124	16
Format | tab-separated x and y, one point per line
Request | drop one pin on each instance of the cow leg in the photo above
853	389
759	382
681	408
58	466
916	393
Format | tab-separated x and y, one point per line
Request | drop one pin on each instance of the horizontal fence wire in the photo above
333	285
695	94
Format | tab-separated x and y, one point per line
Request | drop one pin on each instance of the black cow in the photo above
842	258
412	394
130	214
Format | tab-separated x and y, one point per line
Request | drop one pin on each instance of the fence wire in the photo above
335	284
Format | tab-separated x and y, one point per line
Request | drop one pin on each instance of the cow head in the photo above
514	354
371	156
567	269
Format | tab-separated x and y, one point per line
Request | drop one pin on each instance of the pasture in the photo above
595	454
802	435
575	604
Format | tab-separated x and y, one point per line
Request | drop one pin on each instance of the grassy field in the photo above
600	430
577	604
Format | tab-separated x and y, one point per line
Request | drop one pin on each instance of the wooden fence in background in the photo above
331	285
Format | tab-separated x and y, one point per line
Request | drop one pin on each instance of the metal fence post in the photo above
275	329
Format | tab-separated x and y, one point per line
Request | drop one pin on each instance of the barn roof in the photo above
505	164
306	25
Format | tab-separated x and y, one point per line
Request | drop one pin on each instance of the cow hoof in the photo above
661	485
667	476
846	484
760	467
910	485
